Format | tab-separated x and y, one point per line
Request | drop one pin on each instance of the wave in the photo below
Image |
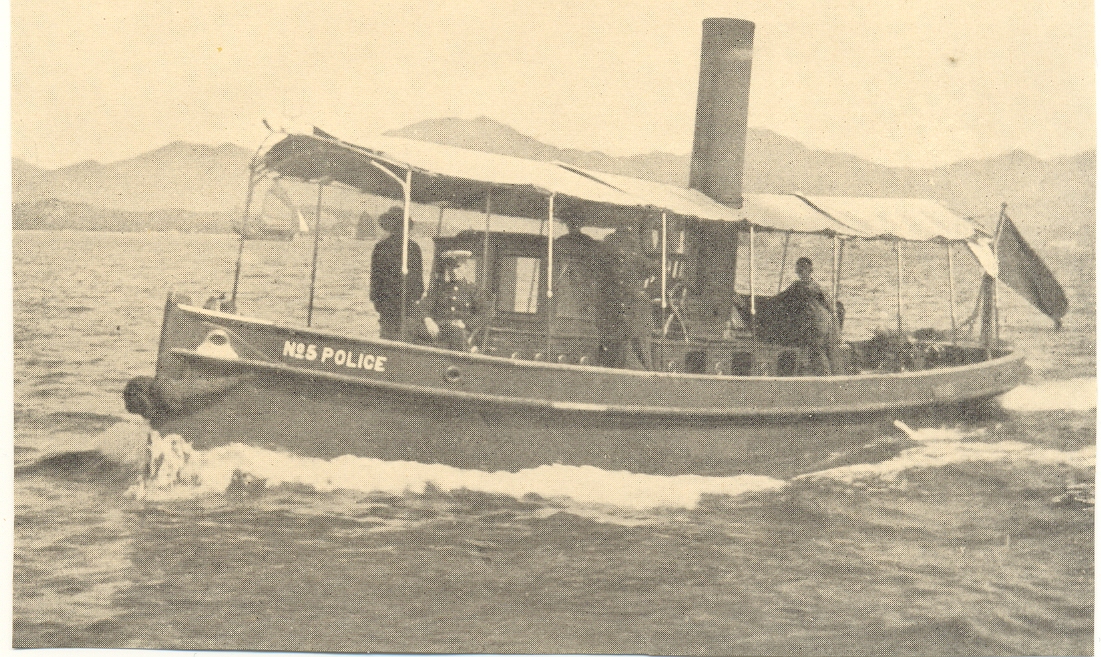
940	447
114	454
177	470
174	470
1067	395
84	416
85	465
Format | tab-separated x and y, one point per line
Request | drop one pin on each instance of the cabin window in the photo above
518	284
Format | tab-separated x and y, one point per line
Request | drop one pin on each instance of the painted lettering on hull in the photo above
334	358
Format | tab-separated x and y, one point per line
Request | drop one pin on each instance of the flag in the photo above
1021	269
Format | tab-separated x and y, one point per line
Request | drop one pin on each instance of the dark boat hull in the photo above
222	378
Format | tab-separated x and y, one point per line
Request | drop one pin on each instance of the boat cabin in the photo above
696	323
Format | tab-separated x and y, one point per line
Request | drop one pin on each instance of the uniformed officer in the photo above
456	305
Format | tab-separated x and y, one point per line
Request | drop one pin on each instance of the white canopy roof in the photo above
462	178
916	219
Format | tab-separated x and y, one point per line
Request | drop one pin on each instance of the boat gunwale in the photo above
619	409
462	355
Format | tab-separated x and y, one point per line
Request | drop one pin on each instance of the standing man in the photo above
626	312
811	317
386	274
576	275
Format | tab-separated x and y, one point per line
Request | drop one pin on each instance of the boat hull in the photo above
223	378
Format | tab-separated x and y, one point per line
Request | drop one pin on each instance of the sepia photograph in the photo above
573	328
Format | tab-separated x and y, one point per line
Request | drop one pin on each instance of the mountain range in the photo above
1052	200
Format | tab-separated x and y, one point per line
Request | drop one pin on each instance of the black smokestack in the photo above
722	109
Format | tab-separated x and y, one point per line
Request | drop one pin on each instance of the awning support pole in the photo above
408	188
439	223
835	325
898	287
550	276
664	259
840	264
316	241
241	247
485	240
783	263
753	340
752	293
951	290
836	282
664	283
752	289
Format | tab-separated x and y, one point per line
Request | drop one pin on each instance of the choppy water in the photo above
976	538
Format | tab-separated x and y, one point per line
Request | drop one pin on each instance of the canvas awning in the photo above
456	177
462	178
915	219
911	219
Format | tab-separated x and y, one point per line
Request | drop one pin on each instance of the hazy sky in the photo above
920	82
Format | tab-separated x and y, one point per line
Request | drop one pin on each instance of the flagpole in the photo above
997	259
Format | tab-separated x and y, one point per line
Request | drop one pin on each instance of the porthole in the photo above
452	374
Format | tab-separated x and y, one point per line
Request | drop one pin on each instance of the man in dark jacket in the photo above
625	315
811	317
386	274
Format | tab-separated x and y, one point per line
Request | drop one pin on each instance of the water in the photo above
975	539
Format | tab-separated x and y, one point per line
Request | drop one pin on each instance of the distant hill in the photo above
194	177
54	214
1052	200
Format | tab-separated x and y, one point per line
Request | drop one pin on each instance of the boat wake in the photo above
171	469
115	455
1068	395
176	470
944	447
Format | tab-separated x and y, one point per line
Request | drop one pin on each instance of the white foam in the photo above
177	470
124	442
935	434
1068	395
940	452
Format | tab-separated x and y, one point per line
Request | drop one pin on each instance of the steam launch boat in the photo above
634	352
